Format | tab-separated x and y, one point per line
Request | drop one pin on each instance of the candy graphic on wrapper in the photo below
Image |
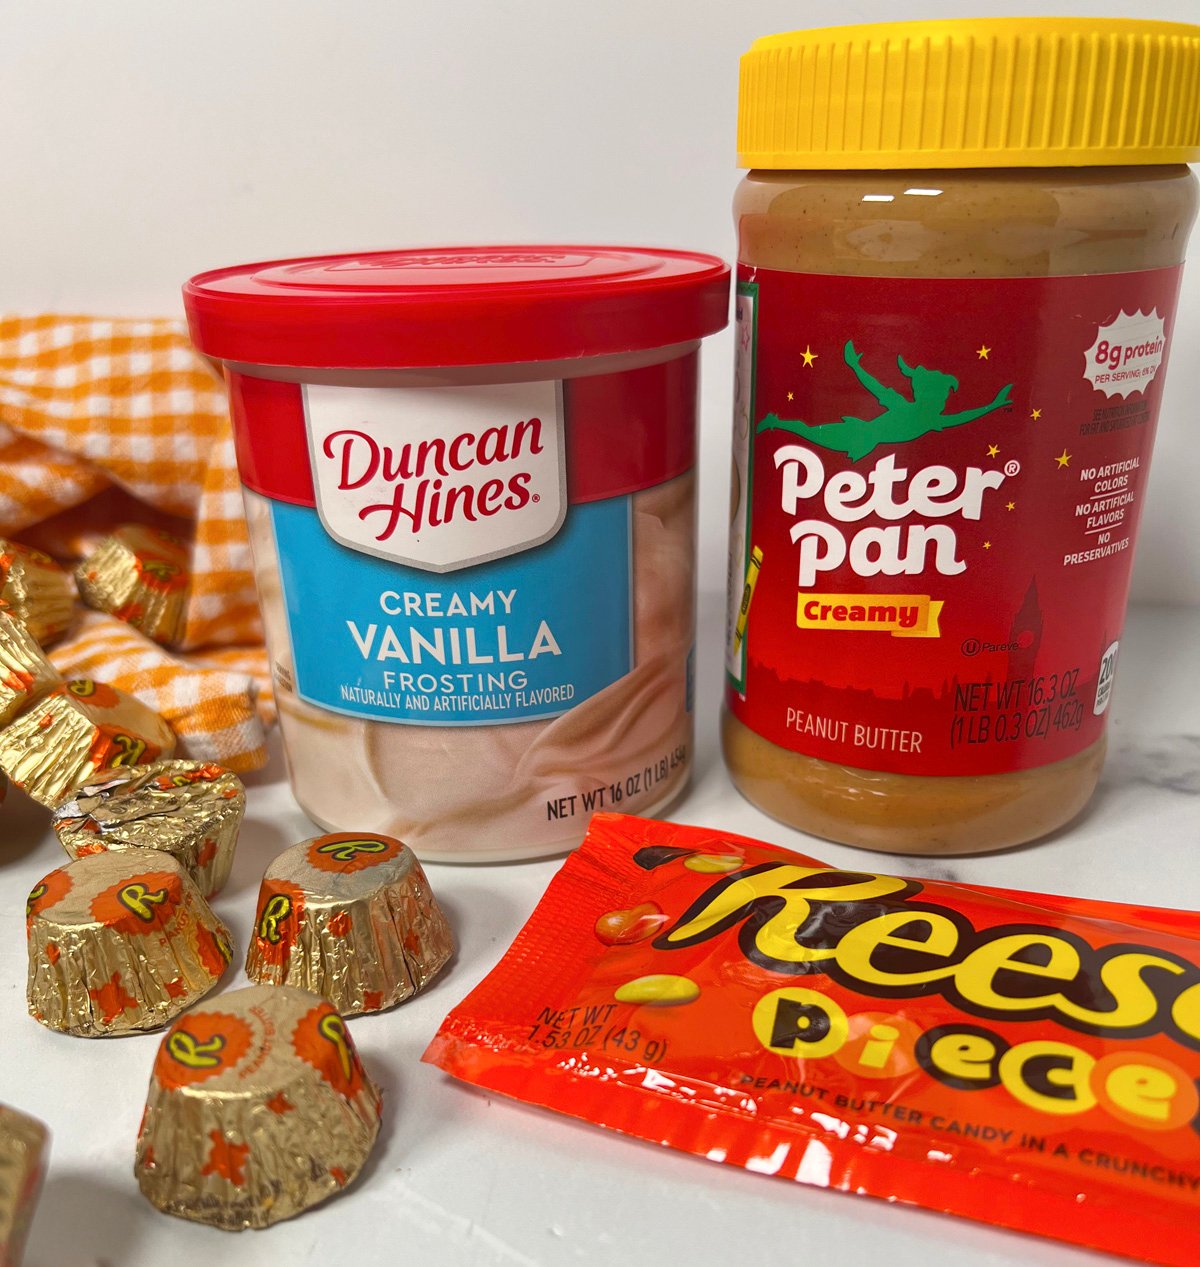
191	810
25	673
140	575
258	1108
83	726
120	942
351	916
36	590
24	1142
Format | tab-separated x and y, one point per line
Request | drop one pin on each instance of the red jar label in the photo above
937	485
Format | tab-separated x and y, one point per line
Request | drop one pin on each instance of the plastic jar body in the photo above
480	713
963	224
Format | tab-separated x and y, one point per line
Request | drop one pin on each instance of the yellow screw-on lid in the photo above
987	92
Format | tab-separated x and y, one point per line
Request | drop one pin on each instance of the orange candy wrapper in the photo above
1024	1060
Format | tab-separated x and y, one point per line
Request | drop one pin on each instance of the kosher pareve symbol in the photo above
902	419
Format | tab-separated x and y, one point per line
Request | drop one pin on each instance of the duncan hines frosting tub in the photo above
959	251
469	481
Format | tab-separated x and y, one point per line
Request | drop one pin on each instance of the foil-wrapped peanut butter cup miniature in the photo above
140	575
191	810
25	673
119	943
350	916
24	1143
258	1108
62	739
37	591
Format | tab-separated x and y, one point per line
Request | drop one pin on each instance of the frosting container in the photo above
258	1108
191	810
469	481
352	918
119	943
959	249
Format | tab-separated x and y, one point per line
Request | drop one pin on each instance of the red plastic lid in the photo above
457	305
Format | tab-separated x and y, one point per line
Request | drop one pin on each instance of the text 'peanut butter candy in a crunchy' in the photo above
24	1144
191	810
62	739
140	575
25	673
351	916
38	591
258	1108
120	942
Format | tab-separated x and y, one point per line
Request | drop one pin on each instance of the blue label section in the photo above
519	638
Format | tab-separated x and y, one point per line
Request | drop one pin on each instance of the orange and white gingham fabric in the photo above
109	421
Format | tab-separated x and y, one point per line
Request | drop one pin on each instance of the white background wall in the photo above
144	140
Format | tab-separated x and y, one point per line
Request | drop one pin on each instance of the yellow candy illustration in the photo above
658	990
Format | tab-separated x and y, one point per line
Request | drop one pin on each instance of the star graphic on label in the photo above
791	395
809	356
1063	459
1035	414
1011	506
993	450
987	545
982	352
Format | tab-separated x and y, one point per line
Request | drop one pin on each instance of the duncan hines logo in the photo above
438	478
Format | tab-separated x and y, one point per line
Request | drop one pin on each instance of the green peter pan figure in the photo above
902	419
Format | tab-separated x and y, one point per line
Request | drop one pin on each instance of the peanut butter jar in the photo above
959	251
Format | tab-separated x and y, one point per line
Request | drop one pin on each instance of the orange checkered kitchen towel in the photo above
110	421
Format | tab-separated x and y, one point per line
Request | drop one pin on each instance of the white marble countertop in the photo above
460	1177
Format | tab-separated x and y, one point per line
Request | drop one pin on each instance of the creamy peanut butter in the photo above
947	382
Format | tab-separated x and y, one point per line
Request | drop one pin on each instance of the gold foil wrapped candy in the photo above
258	1108
25	673
120	942
37	591
24	1143
191	810
140	575
83	726
351	917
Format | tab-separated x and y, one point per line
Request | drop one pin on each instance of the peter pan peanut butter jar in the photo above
469	481
959	249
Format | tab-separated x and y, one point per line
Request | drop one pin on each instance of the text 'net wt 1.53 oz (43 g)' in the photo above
1022	1059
